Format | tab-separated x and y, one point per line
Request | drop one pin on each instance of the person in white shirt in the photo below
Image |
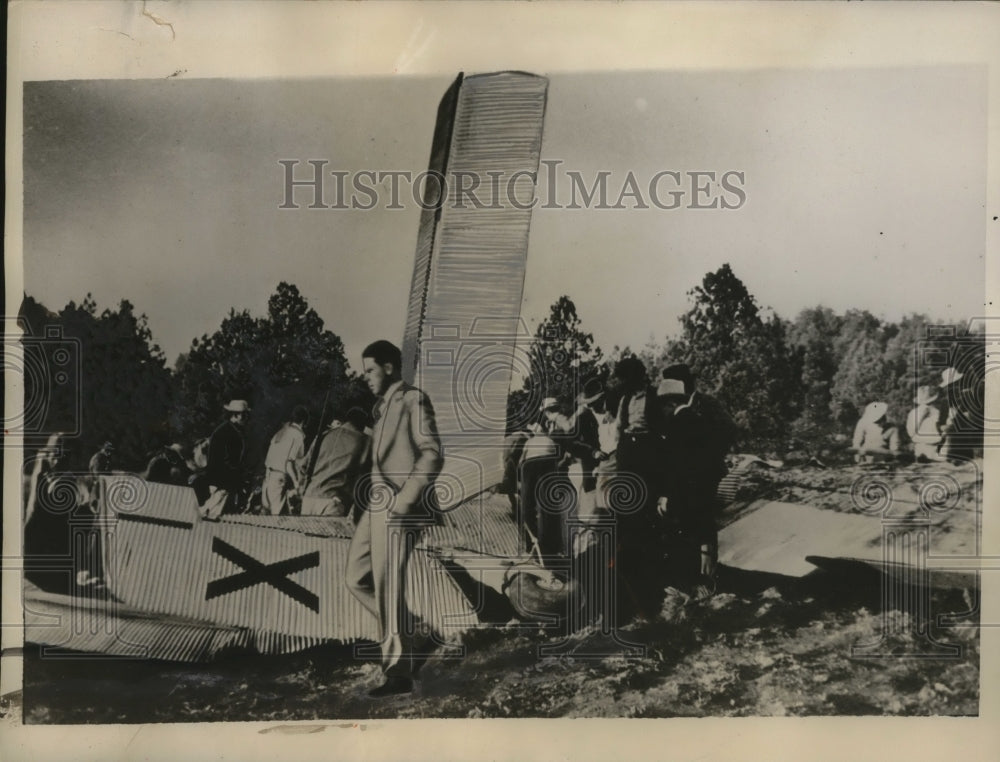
873	437
284	461
923	425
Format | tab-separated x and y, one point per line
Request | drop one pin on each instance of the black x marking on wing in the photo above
254	573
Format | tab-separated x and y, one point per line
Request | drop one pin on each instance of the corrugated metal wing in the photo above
463	323
280	579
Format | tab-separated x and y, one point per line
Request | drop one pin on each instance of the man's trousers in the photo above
376	575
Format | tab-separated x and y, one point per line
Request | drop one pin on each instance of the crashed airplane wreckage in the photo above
184	588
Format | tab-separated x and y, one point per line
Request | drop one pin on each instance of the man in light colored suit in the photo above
406	459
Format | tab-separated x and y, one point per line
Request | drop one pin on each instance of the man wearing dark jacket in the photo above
962	430
638	484
102	460
224	473
697	438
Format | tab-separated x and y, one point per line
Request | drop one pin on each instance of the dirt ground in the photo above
764	645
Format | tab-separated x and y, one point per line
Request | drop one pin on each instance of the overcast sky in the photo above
864	188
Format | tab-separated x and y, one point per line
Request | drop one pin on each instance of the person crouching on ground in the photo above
168	466
874	438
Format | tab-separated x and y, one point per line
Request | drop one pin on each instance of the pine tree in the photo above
276	362
811	338
863	373
739	357
114	385
562	358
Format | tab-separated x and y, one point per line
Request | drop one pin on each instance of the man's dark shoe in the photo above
393	686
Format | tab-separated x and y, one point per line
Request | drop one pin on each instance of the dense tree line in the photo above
96	376
789	384
275	362
122	390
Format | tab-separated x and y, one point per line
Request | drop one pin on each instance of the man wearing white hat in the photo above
963	427
873	437
226	453
923	425
950	376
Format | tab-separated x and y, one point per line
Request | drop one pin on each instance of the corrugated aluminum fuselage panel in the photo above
463	331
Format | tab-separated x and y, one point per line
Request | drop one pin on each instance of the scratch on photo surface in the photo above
132	739
158	20
117	31
298	730
294	730
414	48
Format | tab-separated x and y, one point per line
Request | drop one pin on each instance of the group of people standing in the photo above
942	425
650	459
319	480
378	470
